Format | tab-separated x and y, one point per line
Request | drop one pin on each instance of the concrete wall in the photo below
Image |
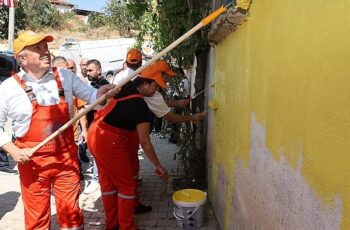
279	143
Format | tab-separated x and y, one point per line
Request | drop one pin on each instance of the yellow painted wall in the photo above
289	63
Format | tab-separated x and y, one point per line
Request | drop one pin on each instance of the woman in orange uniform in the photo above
113	139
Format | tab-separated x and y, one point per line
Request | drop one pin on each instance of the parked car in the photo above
8	65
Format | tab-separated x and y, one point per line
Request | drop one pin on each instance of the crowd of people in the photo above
45	95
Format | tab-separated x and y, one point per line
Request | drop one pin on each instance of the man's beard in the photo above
91	78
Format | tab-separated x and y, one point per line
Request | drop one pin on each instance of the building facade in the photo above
279	140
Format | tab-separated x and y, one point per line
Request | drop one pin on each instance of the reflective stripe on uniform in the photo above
126	196
108	193
74	228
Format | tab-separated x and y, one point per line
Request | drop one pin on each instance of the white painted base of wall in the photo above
271	195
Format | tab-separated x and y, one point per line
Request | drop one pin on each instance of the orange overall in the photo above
115	152
56	164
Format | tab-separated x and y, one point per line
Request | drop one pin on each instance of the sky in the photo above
95	5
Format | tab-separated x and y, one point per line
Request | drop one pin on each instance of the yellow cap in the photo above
28	38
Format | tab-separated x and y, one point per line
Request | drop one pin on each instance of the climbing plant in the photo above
162	22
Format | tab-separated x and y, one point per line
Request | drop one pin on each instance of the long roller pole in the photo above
100	100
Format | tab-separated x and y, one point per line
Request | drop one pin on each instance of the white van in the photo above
111	53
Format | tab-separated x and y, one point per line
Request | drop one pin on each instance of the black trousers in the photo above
4	160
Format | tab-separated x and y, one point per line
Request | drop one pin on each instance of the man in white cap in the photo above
39	101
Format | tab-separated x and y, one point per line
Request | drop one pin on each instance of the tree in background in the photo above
32	14
97	19
40	14
20	19
165	21
119	17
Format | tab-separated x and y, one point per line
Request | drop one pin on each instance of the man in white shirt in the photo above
39	101
133	62
156	103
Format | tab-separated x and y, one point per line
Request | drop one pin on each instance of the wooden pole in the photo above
100	100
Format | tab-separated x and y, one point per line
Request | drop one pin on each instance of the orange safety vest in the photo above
46	120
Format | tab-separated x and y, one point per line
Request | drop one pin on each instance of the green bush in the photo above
40	14
97	19
119	18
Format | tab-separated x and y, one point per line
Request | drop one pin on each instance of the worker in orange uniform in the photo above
156	103
38	100
113	138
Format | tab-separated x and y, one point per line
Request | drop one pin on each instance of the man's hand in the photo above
19	155
108	90
84	135
198	117
22	155
162	173
182	103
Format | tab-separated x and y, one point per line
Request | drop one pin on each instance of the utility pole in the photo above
11	33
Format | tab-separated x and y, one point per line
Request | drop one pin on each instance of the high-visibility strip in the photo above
74	228
126	197
108	193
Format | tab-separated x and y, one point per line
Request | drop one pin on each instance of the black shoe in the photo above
141	209
8	170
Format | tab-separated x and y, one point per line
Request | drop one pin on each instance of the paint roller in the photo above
240	4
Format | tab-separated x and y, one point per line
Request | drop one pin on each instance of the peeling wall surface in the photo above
279	155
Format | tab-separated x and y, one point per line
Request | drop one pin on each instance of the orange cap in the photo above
149	73
133	56
28	38
162	66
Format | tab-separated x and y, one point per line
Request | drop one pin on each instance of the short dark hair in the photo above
130	86
140	80
94	61
57	59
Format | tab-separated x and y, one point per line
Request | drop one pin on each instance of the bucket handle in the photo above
187	217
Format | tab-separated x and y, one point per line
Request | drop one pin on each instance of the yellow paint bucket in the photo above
189	208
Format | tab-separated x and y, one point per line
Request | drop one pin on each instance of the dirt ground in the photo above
59	36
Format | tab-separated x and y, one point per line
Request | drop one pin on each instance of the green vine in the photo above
165	21
162	22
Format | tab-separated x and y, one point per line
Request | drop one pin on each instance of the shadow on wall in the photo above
8	202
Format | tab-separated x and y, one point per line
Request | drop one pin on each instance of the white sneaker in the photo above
91	187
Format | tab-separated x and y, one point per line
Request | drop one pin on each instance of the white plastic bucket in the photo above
189	208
